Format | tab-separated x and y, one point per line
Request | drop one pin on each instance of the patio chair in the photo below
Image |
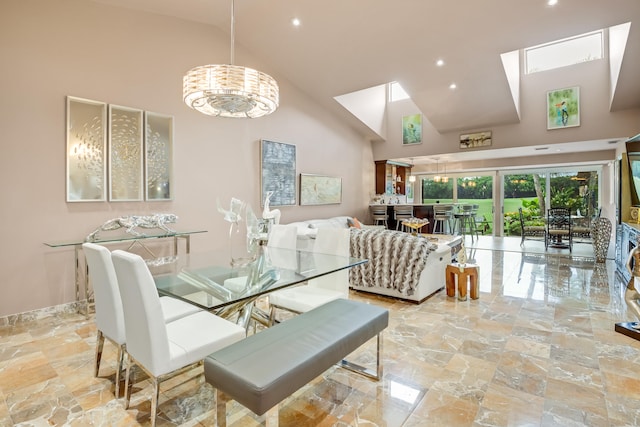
558	233
532	232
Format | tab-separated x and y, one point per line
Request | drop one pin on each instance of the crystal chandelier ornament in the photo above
229	90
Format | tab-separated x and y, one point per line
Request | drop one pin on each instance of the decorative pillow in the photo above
353	222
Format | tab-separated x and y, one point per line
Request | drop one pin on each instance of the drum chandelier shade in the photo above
228	90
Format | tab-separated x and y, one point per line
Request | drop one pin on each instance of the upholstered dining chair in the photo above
300	299
163	350
283	236
109	315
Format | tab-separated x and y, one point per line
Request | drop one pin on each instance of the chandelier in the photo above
229	90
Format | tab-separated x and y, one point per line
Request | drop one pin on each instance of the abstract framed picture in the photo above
86	150
158	151
476	139
320	190
278	172
412	129
125	154
563	108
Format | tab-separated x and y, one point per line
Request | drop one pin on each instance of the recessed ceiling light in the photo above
439	62
552	2
452	86
295	22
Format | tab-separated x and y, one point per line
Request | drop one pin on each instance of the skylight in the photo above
396	92
560	53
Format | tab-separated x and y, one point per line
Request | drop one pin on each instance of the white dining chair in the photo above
319	291
163	350
283	236
109	315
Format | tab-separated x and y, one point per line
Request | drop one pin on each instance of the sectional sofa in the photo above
400	265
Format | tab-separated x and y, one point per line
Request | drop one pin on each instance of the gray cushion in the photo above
265	368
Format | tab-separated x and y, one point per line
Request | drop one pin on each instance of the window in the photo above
396	92
560	53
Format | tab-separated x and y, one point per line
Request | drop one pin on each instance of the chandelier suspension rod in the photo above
233	29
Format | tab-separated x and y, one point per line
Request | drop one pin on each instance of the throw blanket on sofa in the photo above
396	259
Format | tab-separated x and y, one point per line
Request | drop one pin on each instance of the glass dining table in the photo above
209	281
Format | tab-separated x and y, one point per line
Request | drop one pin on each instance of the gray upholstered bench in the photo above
265	368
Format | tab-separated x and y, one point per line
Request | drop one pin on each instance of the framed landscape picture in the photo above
476	139
563	108
278	172
412	129
320	190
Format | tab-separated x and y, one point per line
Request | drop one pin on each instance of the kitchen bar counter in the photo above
420	210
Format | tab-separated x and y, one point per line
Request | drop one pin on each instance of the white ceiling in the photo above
344	46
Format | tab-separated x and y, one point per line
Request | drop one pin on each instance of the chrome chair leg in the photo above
98	355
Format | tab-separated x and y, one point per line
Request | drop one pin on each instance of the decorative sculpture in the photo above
462	257
270	214
130	223
631	295
242	240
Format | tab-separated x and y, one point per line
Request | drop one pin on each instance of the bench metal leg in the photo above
221	400
369	373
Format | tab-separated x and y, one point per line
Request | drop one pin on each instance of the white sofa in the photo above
387	271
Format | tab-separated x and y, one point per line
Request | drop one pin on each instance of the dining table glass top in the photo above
209	281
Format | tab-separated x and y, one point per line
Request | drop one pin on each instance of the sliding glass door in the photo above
478	190
576	189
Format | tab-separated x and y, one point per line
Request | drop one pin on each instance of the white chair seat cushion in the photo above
194	337
174	309
236	284
304	298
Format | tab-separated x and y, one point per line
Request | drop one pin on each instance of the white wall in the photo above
596	121
73	47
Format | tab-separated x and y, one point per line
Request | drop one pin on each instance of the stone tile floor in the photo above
537	349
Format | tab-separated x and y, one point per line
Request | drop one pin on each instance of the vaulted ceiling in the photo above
344	46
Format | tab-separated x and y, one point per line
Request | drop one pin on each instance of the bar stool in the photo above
379	214
400	213
465	221
442	216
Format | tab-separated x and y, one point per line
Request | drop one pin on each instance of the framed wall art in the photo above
86	150
563	108
320	190
476	139
158	150
278	172
125	153
412	129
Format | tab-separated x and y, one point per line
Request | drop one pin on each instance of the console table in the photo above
81	265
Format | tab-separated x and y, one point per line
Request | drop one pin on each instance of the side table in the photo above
81	269
468	272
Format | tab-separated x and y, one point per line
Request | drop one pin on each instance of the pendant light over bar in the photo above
229	90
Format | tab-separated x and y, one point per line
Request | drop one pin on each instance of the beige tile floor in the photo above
537	349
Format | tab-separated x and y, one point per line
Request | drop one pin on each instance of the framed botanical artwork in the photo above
412	129
158	151
320	190
86	150
563	108
278	172
125	154
477	139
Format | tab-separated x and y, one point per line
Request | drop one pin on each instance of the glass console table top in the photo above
123	237
210	282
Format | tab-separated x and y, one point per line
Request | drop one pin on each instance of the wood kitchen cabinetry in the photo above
391	178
